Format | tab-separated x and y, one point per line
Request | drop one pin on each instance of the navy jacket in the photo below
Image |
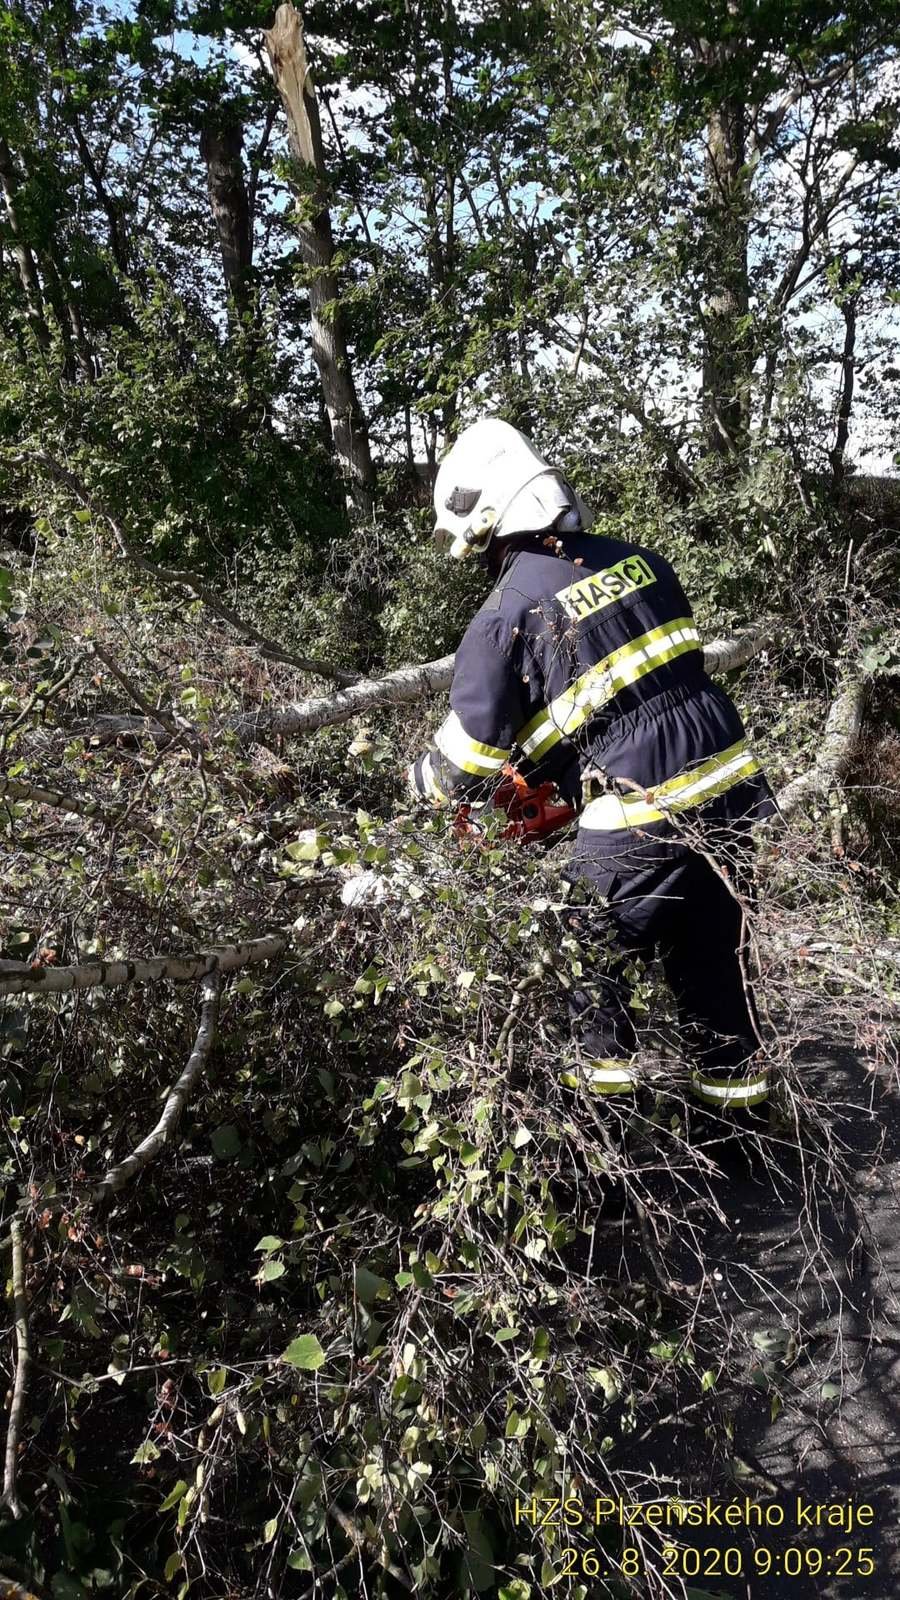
585	659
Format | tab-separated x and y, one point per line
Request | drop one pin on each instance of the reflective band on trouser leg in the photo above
470	755
603	681
432	788
612	812
606	1076
746	1091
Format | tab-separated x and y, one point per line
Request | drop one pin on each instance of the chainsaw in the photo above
534	812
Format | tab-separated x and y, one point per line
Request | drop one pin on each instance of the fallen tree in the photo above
408	685
20	977
840	738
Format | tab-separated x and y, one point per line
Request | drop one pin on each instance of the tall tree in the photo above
287	52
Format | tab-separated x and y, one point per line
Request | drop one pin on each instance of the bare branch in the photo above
177	728
761	138
726	655
116	1177
403	687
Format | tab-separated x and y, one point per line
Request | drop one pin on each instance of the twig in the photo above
20	1385
116	1177
530	981
177	728
359	1539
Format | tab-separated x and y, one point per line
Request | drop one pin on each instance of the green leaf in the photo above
216	1380
226	1141
145	1452
306	850
270	1270
479	1557
268	1243
367	1284
174	1495
521	1137
666	1349
305	1353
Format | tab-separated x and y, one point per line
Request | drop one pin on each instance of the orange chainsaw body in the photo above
533	812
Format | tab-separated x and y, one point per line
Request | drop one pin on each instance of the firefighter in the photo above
584	665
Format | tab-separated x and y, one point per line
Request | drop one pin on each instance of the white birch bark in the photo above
115	1178
20	977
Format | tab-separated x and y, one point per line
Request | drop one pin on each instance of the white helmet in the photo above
492	483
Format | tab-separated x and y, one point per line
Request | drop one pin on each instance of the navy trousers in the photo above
670	903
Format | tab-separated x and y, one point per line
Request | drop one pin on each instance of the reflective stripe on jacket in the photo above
586	655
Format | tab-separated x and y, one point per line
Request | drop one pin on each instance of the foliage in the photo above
367	1297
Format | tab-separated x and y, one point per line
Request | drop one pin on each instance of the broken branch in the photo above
18	977
410	684
116	1177
20	1383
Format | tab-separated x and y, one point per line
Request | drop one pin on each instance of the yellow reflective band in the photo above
612	812
603	681
470	755
432	787
590	595
608	1076
731	1091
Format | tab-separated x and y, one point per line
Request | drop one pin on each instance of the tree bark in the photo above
22	252
727	360
290	69
116	1177
845	398
221	148
18	977
837	746
14	1427
409	684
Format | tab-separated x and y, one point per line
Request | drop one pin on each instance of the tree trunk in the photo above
848	379
287	53
727	359
118	243
727	347
222	151
22	253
